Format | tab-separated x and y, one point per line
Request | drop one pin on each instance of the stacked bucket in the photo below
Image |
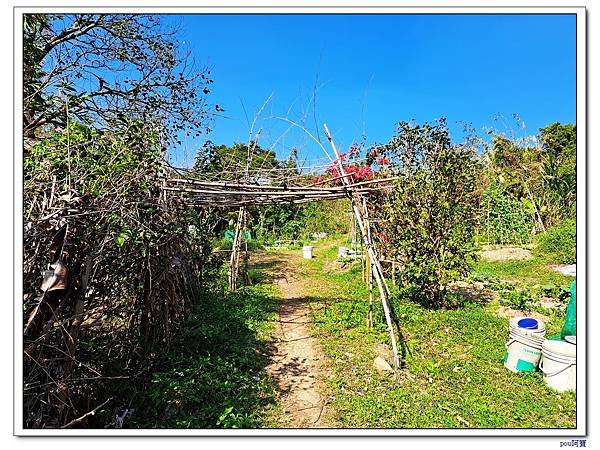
524	346
527	349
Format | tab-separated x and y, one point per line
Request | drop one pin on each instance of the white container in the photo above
342	252
307	251
559	365
513	325
524	347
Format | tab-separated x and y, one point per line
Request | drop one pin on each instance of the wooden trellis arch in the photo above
242	194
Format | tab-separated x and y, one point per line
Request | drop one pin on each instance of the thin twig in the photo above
87	414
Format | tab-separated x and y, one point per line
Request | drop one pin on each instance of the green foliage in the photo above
504	219
92	159
524	284
231	163
518	299
560	162
299	222
541	174
283	221
558	244
332	217
532	271
431	214
515	167
213	376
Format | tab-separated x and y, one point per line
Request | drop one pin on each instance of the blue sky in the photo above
376	70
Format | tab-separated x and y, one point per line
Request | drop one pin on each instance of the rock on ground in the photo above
382	365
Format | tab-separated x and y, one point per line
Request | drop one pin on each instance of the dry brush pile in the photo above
109	271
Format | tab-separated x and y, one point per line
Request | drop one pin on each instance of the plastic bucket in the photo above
307	251
524	346
559	365
538	332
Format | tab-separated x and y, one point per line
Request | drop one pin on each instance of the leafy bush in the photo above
432	213
504	219
558	244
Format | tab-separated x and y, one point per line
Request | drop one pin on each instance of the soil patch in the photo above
506	254
509	313
295	356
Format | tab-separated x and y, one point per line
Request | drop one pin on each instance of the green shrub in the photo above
504	219
559	242
430	217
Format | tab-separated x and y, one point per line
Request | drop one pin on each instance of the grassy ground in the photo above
213	375
525	271
454	375
524	284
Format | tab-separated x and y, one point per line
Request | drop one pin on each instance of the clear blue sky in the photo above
376	70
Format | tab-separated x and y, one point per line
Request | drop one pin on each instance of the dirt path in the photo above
295	355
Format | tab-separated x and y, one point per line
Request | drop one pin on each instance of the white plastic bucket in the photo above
513	325
307	251
524	347
559	365
342	252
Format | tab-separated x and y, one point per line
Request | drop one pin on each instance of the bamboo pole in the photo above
271	193
370	269
235	250
370	314
226	184
376	266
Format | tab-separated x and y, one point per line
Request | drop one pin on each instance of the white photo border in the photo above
286	8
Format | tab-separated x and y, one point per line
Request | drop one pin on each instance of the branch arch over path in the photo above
272	186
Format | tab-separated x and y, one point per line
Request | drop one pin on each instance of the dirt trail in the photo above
295	355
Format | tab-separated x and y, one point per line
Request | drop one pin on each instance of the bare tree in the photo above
106	69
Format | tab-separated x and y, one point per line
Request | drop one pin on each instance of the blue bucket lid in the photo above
528	322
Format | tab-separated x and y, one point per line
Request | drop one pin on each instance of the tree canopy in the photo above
232	162
107	69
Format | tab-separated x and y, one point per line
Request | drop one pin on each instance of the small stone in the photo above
381	365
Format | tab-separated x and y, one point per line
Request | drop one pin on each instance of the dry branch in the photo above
87	414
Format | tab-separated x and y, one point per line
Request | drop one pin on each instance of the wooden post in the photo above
375	264
370	316
234	261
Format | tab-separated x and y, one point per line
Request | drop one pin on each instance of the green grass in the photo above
213	376
522	284
454	375
214	373
528	271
